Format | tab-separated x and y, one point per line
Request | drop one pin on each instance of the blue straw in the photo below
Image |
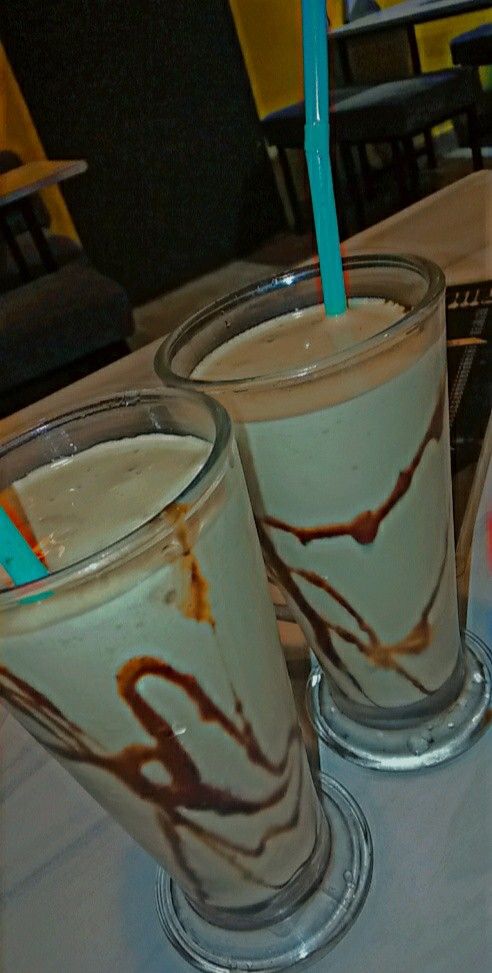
18	559
316	144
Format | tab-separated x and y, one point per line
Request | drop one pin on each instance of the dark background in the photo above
155	95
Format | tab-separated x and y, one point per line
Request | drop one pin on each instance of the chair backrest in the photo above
270	35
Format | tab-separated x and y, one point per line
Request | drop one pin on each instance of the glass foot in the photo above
436	740
313	928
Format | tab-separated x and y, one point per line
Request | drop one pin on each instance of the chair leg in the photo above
429	149
399	166
336	167
10	240
353	184
36	231
366	171
412	163
474	139
299	223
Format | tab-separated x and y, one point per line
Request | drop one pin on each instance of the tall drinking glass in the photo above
148	663
342	426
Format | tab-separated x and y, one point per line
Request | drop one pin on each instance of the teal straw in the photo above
316	145
18	559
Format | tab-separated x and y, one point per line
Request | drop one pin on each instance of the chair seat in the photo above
473	47
63	248
285	127
399	109
395	109
58	319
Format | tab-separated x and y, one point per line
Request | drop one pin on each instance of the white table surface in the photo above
78	893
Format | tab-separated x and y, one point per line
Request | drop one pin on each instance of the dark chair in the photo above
58	326
285	130
475	48
378	74
394	112
57	329
24	227
370	59
398	111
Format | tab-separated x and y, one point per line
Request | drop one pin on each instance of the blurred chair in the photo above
392	113
375	59
475	48
364	110
60	324
57	329
21	226
398	111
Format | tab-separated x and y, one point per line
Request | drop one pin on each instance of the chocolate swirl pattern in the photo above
187	789
149	684
363	529
195	603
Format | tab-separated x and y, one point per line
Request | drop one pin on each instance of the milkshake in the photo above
342	427
356	557
148	661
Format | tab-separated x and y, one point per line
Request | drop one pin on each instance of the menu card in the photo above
469	327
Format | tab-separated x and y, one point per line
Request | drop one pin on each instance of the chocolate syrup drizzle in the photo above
186	790
195	603
363	529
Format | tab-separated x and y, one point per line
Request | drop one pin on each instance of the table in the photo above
17	186
410	12
408	15
78	893
33	176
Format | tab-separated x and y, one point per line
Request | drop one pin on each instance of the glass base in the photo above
435	740
313	928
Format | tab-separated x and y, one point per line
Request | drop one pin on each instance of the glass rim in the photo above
152	529
427	269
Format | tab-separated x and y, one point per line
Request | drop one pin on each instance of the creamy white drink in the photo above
347	463
296	339
158	679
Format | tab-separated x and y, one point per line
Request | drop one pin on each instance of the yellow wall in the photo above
274	69
17	132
